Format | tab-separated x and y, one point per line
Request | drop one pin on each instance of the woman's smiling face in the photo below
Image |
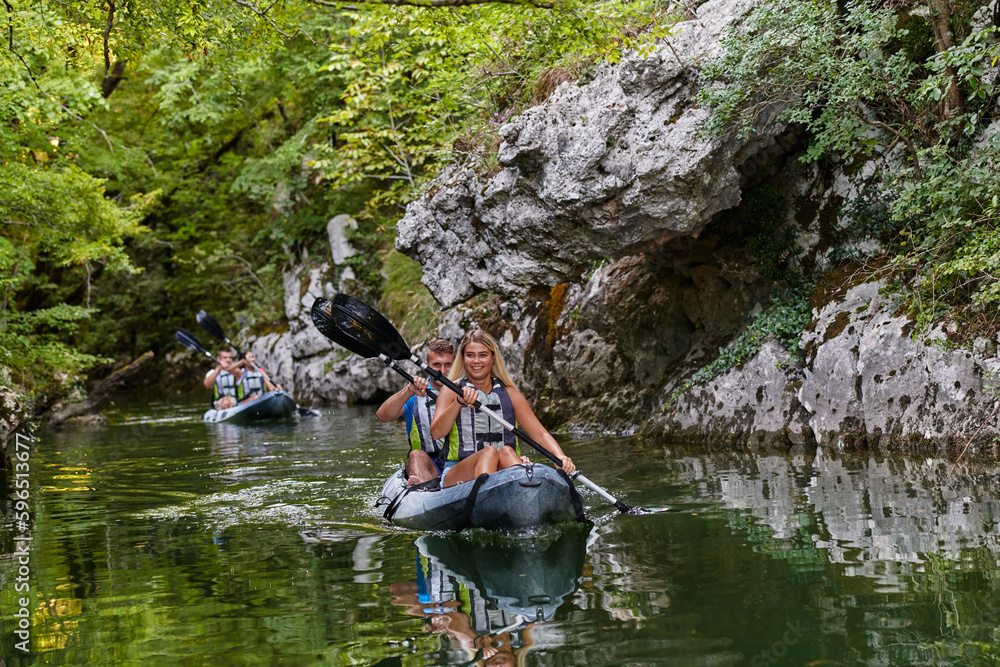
478	360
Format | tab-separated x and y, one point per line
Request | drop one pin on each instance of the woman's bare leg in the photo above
485	460
508	457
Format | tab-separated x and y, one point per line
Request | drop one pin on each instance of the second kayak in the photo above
272	405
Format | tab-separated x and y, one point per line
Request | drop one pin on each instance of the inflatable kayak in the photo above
272	405
516	498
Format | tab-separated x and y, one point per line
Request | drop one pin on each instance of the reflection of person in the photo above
417	408
254	381
455	618
481	445
222	380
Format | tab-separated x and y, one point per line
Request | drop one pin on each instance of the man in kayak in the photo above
222	380
412	403
254	382
478	443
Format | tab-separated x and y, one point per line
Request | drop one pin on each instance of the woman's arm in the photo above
529	423
446	410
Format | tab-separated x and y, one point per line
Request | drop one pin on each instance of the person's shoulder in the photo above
209	372
514	392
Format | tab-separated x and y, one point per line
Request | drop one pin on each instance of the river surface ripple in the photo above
162	540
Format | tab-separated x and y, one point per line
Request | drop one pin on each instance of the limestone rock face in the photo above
865	380
14	420
599	170
753	404
871	381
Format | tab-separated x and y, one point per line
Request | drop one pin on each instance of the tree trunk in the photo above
112	80
944	39
99	395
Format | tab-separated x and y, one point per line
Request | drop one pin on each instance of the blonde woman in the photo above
478	443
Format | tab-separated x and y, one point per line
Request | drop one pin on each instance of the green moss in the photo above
784	321
406	302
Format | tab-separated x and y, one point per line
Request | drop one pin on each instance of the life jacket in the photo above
225	385
418	427
474	429
251	383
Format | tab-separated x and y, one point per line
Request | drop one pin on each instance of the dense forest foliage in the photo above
161	157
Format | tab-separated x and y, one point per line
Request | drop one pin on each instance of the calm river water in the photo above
160	540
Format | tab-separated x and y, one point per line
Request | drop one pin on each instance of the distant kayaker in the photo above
478	443
222	380
254	381
417	408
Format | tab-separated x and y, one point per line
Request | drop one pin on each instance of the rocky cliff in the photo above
616	249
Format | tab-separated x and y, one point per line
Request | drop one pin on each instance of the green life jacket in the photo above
474	429
420	428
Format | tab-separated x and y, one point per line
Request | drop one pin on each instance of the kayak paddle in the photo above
361	329
187	339
328	328
209	324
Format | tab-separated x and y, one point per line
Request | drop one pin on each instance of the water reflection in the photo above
878	517
486	594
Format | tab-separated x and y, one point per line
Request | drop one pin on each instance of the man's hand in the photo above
418	387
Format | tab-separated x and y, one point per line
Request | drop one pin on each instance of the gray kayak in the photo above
272	405
513	499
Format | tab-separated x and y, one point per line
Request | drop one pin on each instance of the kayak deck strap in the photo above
470	502
390	510
574	497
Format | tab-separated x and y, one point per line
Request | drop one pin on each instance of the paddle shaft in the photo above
409	378
212	326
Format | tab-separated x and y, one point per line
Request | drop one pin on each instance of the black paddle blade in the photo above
358	327
209	324
628	509
187	339
328	322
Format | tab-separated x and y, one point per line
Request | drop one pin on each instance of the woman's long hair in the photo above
480	336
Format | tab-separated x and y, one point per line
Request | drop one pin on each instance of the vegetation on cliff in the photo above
910	88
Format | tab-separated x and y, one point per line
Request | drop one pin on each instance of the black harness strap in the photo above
470	502
429	485
574	497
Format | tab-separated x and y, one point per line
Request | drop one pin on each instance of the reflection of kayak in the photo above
527	578
272	405
512	499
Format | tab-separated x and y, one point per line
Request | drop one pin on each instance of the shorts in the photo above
446	466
